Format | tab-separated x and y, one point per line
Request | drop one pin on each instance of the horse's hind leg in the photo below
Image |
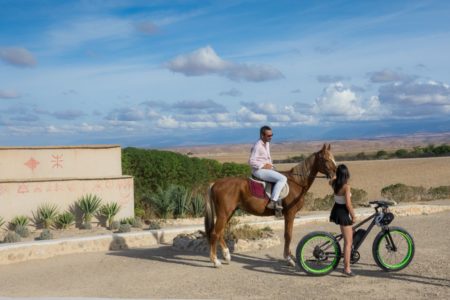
216	235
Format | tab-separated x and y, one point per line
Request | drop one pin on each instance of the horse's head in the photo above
325	161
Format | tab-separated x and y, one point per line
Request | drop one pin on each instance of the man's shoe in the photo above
271	204
278	205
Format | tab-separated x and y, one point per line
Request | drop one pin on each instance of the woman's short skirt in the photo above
340	215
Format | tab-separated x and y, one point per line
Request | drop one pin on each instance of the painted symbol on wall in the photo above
32	163
57	161
22	189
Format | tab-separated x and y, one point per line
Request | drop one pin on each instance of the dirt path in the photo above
164	273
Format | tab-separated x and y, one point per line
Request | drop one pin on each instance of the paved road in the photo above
165	273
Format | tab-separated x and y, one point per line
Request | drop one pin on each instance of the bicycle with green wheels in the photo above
319	252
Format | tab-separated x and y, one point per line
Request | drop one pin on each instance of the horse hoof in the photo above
217	263
290	261
227	256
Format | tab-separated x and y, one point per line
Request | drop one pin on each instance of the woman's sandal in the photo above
349	274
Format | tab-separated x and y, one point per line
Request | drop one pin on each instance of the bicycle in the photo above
319	252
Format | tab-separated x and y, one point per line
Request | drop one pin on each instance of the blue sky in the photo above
171	73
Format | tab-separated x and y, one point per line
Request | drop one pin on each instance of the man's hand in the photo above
267	166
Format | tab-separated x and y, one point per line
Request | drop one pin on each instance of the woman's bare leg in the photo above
347	231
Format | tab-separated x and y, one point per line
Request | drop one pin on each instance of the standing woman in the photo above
342	213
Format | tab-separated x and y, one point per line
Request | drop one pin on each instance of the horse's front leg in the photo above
288	227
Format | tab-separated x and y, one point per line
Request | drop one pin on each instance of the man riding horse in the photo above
262	167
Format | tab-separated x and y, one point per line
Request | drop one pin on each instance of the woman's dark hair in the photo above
263	130
342	176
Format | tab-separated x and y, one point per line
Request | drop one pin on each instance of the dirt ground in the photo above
161	272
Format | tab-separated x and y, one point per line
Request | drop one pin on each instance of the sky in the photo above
177	73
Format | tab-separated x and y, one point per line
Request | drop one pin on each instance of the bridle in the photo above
303	175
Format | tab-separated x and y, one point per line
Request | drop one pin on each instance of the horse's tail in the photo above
210	212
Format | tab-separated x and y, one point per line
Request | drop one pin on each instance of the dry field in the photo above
373	175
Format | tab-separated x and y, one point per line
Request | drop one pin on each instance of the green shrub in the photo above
359	197
124	228
89	204
115	225
109	210
197	207
12	237
19	220
46	234
154	224
139	212
316	203
65	220
46	215
128	220
87	226
136	222
440	192
403	193
235	232
21	230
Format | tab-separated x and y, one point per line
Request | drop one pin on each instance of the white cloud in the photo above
418	99
167	122
85	127
205	61
246	115
17	56
340	103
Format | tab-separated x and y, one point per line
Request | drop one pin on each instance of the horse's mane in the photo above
302	170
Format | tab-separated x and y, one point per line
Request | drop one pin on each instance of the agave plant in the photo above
162	202
89	205
181	197
65	219
19	220
46	215
197	206
109	210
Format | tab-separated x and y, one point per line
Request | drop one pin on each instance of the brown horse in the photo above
227	194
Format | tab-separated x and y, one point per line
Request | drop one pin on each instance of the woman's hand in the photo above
353	219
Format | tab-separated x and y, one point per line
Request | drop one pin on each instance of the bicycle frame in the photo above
374	222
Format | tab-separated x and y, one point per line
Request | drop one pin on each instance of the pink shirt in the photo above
260	155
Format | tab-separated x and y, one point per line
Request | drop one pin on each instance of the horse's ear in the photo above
324	148
329	147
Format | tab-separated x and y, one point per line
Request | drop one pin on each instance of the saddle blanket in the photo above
263	189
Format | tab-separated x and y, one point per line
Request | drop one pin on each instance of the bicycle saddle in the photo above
382	203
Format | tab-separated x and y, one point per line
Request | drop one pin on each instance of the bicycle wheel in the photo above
391	258
318	253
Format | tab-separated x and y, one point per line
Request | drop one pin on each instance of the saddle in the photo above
263	189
